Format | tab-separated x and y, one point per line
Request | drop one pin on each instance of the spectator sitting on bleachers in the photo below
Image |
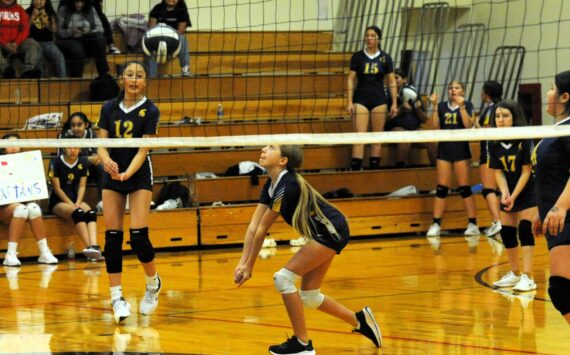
79	125
411	114
173	13
15	41
98	5
43	26
15	215
80	34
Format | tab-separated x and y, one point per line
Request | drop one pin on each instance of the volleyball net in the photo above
270	67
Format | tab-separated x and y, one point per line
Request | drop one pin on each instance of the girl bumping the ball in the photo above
286	193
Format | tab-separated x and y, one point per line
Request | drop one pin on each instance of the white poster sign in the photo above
22	177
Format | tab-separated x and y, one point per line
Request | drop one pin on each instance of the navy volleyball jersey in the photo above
69	175
284	197
551	160
134	122
450	118
370	72
510	158
487	117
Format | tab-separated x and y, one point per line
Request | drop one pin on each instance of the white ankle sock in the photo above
43	246
152	280
116	293
12	248
300	342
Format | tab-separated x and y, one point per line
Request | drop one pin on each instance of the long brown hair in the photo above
309	198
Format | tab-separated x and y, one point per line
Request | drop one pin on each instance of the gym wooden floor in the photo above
426	301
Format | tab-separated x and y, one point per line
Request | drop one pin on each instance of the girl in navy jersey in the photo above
453	156
551	160
79	126
510	161
490	95
15	215
370	68
411	114
68	175
128	172
286	193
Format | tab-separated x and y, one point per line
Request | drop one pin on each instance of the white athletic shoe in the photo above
434	230
47	258
121	310
525	284
269	243
92	252
472	229
185	71
11	259
495	228
508	280
150	301
298	242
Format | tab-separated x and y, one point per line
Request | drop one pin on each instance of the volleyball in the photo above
161	42
409	94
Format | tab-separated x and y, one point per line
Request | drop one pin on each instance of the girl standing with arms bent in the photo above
286	193
367	103
453	156
128	172
551	159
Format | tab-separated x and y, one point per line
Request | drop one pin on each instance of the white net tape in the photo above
312	139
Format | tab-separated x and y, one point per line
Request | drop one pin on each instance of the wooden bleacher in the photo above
289	82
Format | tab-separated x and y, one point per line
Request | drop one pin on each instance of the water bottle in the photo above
220	113
70	250
17	96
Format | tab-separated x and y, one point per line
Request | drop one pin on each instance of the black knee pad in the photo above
114	251
525	233
559	291
78	216
90	216
441	191
465	191
487	191
509	237
141	245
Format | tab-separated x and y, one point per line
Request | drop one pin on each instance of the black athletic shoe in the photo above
368	326
292	346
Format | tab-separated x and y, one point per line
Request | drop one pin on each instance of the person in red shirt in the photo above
14	41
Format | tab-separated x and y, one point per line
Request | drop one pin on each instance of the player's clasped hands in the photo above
112	168
507	201
242	273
